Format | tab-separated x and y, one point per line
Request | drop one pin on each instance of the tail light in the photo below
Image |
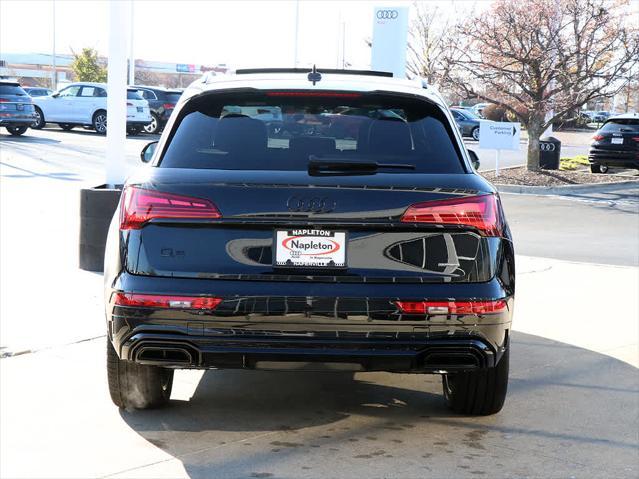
128	103
635	138
480	212
140	205
451	307
162	301
168	106
4	100
598	137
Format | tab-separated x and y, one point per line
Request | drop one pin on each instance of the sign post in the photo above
390	36
499	136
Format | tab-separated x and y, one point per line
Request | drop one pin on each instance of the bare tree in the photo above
536	56
428	35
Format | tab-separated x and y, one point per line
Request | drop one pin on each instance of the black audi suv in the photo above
381	250
616	144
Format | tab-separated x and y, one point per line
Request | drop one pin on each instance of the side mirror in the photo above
474	159
146	155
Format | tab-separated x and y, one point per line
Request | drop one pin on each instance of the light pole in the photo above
131	57
297	22
54	73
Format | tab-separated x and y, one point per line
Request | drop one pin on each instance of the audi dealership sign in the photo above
390	35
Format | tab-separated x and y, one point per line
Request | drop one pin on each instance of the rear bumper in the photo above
261	325
138	122
627	158
400	353
17	121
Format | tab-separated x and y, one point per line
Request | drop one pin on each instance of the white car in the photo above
85	104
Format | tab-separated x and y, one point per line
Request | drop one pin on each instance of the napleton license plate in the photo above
310	248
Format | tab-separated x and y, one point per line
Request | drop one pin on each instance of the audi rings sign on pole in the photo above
390	40
499	135
546	146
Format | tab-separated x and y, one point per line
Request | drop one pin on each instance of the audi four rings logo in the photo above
387	14
546	147
310	205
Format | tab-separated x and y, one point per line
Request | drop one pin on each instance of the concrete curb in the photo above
568	189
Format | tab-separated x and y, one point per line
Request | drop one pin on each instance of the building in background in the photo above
34	69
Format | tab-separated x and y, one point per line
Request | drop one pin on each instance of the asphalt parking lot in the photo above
573	403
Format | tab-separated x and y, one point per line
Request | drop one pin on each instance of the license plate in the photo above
140	109
20	106
310	248
616	141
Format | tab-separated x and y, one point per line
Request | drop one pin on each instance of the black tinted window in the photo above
11	90
283	130
173	96
621	124
133	95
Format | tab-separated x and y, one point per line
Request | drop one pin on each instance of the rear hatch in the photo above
14	100
388	201
137	108
617	135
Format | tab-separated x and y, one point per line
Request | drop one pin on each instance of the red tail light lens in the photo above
168	106
598	137
140	205
161	301
481	212
635	138
4	100
451	307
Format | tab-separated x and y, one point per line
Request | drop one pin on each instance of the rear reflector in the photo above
481	212
161	301
139	206
451	307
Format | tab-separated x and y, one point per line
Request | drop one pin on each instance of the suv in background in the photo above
380	250
16	110
85	104
616	143
161	102
34	91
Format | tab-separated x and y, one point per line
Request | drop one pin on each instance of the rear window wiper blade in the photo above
361	167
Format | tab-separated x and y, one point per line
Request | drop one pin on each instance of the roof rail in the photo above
373	73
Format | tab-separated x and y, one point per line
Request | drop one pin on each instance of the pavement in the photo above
572	408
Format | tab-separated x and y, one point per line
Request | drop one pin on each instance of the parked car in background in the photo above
16	108
85	104
600	116
161	102
479	108
616	143
383	251
467	122
34	91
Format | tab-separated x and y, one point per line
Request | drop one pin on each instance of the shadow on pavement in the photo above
568	410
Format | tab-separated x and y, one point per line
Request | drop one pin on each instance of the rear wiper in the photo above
337	167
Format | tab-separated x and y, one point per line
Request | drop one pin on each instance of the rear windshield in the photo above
173	96
621	125
133	95
285	130
11	90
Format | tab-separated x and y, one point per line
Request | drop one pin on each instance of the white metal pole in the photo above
116	94
297	24
343	45
131	57
54	73
497	155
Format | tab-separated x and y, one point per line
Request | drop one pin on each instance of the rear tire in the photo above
478	393
39	122
100	122
153	127
137	386
66	126
17	130
595	168
134	130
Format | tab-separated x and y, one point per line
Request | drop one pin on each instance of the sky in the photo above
239	33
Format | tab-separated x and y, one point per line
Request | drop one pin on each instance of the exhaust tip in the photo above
164	355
